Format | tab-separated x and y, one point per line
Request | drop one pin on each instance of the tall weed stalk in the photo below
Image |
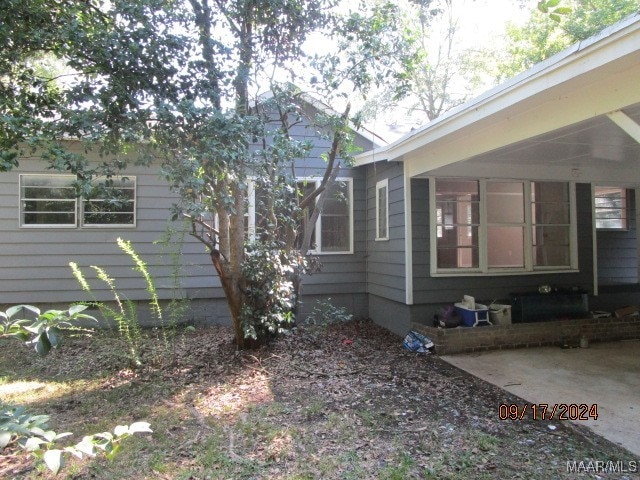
124	315
171	244
125	312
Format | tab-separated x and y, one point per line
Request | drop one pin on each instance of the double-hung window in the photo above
501	226
333	231
50	201
611	208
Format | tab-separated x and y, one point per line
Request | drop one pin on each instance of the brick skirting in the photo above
557	332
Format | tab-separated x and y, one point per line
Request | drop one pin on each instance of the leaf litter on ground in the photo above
339	401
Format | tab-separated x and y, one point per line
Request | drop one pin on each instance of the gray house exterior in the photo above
35	255
527	163
569	124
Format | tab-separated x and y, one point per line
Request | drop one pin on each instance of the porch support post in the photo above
408	238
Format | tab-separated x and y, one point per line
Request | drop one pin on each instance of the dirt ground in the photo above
338	402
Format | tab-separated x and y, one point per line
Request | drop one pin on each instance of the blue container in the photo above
473	317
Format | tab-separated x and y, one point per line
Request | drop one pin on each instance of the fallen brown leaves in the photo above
341	401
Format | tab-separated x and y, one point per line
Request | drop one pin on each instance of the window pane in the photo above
554	192
611	208
505	202
551	213
382	212
505	247
48	200
337	200
451	189
458	247
551	256
335	234
551	246
115	206
52	218
464	257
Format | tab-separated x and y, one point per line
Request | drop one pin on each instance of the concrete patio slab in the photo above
604	374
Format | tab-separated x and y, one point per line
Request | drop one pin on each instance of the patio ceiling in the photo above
605	148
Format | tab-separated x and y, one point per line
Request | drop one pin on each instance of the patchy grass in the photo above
337	402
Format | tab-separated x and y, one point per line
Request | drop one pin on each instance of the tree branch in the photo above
338	137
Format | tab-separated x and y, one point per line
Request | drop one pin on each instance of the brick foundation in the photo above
559	332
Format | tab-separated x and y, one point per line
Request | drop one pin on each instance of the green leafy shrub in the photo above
46	330
269	272
32	434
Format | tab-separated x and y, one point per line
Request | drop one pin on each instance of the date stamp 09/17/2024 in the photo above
568	411
548	411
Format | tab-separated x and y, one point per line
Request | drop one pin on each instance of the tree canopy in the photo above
544	34
176	83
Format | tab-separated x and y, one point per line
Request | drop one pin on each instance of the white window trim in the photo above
21	200
251	211
78	209
483	270
380	185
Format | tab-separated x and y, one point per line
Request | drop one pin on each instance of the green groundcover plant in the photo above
45	330
32	434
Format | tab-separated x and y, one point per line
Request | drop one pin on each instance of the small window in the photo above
50	201
611	208
47	201
115	205
334	224
382	210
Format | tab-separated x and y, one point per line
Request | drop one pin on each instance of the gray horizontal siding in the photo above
34	261
386	258
618	252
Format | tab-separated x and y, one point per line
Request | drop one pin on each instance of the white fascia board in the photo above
509	98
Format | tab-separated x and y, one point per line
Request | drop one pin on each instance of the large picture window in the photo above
501	226
50	201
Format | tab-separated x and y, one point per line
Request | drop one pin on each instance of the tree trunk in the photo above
234	296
